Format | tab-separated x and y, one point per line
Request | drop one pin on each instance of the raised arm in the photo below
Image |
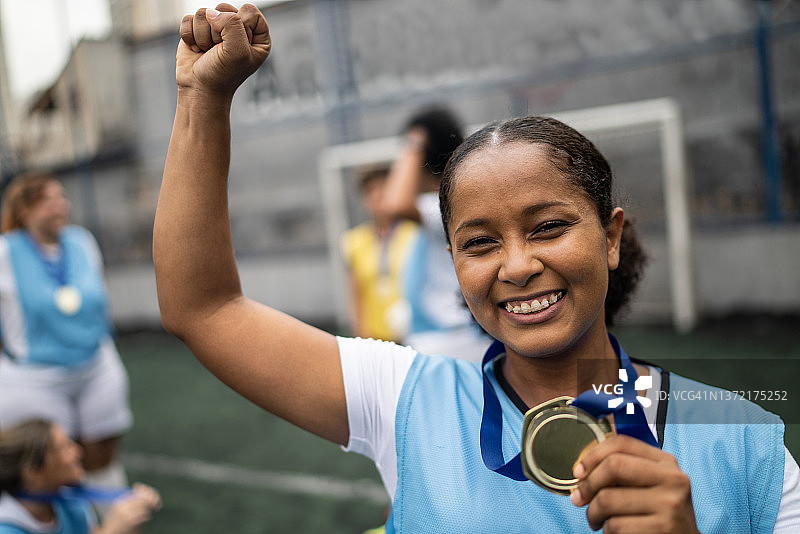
399	199
283	365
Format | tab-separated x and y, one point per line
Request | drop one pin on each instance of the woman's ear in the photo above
614	237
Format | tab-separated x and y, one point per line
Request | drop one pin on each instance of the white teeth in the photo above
535	305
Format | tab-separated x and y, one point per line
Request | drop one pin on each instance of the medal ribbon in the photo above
629	418
57	270
491	435
385	241
492	425
89	493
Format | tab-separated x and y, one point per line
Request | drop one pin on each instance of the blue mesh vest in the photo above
52	337
72	516
443	487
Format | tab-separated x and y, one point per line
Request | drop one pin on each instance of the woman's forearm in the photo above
403	185
192	246
281	364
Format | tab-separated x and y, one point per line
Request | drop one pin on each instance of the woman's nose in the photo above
519	265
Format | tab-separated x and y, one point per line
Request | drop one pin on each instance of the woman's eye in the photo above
550	228
476	242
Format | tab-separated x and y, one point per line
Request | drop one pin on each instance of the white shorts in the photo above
89	401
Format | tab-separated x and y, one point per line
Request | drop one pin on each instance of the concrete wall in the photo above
743	269
300	287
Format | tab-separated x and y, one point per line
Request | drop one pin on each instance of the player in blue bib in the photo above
544	260
40	491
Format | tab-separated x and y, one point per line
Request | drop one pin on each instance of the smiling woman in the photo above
565	233
535	240
546	240
586	169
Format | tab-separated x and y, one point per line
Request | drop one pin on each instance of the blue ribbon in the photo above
80	492
56	269
597	404
492	425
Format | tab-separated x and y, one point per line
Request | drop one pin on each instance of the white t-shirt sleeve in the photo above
788	520
14	329
374	373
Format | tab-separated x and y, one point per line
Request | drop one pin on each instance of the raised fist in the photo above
220	48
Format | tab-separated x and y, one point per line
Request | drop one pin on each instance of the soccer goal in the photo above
658	118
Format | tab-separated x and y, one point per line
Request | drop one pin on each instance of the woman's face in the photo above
62	463
372	195
530	253
48	216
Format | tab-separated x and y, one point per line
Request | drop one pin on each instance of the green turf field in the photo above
225	466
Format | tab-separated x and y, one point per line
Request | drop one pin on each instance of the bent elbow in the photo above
170	324
174	320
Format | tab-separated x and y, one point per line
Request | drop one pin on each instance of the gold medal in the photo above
554	436
67	299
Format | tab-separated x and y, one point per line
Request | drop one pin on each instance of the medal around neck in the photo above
554	435
67	299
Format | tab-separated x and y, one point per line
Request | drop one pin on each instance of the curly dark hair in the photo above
444	135
585	166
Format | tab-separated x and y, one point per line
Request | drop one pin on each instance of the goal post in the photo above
661	115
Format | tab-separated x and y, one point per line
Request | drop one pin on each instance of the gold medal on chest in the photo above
68	299
555	435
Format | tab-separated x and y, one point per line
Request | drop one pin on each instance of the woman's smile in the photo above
530	310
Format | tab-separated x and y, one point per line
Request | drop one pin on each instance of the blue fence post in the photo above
771	157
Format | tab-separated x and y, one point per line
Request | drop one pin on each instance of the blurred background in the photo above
88	92
696	105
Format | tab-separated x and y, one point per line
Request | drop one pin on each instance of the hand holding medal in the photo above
630	486
582	448
554	436
556	433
